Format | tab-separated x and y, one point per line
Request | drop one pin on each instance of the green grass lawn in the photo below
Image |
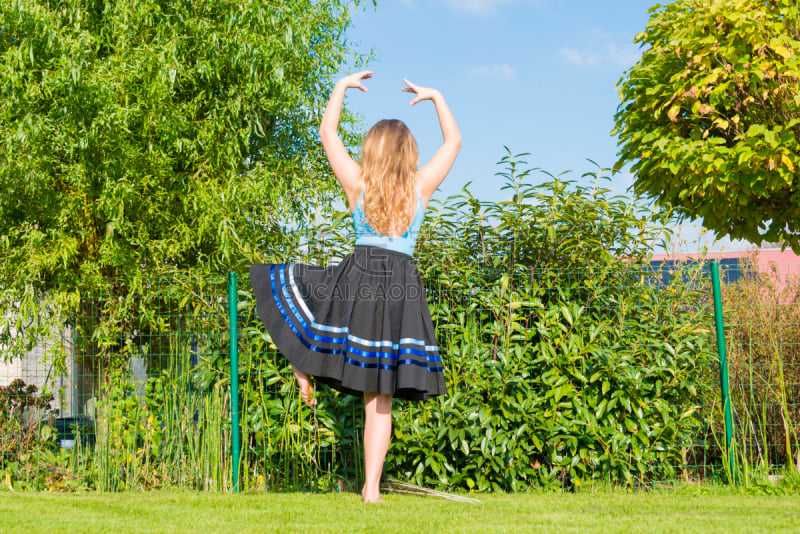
174	511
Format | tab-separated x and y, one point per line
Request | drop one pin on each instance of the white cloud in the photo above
608	54
481	7
602	49
573	55
503	71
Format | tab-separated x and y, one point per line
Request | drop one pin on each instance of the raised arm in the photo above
346	170
434	172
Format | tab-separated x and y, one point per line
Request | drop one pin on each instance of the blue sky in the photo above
537	76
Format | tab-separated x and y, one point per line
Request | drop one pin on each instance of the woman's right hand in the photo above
354	80
431	174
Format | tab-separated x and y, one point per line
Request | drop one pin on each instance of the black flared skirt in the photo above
362	325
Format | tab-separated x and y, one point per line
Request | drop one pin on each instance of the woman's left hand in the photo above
423	93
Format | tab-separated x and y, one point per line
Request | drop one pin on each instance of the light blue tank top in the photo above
366	235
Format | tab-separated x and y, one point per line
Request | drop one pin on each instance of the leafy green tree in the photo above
141	138
710	115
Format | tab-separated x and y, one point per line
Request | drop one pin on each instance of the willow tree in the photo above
710	115
144	137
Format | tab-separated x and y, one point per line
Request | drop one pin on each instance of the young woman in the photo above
363	326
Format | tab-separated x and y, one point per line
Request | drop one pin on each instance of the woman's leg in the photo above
377	433
306	389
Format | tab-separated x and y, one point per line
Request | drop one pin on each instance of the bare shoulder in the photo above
423	187
353	193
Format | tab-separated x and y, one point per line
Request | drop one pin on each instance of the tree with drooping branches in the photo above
143	138
138	136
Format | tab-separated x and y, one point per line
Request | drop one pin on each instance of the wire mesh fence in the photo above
554	378
123	392
563	377
762	325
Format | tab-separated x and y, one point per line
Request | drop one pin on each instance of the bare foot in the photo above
373	498
306	389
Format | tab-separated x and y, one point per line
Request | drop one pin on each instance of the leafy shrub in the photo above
26	431
568	359
23	414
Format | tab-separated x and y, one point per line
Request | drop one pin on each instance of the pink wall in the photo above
783	266
786	262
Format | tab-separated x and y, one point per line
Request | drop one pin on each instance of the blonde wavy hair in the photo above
388	170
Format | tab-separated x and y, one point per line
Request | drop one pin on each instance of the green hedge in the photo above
568	359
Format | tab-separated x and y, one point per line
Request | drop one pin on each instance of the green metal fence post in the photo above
234	348
723	363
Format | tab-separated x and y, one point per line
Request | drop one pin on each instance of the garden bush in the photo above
568	358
